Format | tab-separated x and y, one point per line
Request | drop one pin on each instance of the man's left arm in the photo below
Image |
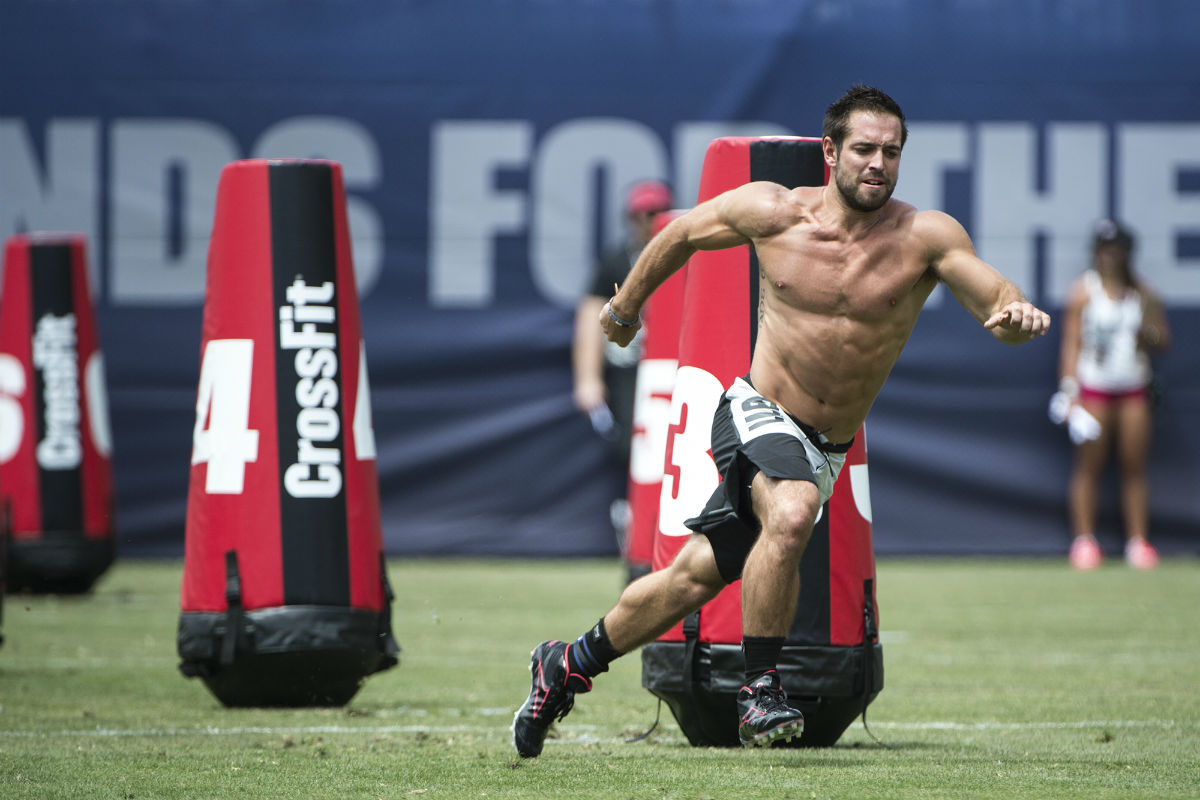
991	298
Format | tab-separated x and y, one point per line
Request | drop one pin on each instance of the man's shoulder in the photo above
766	208
771	193
930	225
902	211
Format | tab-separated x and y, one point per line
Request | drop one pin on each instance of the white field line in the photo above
477	729
1029	726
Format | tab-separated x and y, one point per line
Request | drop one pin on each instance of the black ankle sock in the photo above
592	652
762	655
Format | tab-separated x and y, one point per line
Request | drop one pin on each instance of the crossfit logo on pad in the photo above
56	358
308	325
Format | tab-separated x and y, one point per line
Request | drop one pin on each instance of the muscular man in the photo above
845	270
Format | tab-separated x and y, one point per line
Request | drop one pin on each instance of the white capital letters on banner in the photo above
467	210
164	170
1149	200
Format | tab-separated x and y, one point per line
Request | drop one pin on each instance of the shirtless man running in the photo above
845	270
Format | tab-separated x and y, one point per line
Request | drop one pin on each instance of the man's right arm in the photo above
727	220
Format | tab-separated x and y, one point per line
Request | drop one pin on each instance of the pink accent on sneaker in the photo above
1140	554
1085	553
543	686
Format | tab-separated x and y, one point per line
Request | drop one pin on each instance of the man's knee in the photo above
787	510
694	573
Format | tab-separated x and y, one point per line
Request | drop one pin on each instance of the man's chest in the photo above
867	281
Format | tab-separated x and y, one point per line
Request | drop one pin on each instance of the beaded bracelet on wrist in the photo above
622	322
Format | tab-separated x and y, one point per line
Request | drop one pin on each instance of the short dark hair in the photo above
860	97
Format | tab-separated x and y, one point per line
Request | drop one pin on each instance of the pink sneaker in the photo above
1085	553
1140	554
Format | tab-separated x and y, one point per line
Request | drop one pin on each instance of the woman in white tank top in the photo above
1111	325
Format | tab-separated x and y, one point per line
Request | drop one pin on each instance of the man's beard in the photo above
848	188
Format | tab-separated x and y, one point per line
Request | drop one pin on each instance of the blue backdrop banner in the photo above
486	147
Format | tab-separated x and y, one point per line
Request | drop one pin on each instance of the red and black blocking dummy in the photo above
832	664
56	488
661	318
285	600
3	577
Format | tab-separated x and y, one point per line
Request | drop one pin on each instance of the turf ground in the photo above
1004	679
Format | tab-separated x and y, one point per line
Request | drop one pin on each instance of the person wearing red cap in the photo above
1112	323
845	271
605	375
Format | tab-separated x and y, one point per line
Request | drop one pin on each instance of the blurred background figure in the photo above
1111	325
605	375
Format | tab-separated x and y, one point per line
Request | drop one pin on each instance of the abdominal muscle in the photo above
826	371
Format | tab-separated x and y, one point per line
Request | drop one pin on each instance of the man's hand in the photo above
1018	322
617	333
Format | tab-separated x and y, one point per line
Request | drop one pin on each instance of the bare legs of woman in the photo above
1126	425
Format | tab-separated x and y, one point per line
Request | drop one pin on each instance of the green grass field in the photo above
1004	679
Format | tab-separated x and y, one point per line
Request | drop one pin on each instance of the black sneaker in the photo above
765	716
552	695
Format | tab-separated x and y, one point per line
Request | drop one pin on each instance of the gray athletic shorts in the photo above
751	434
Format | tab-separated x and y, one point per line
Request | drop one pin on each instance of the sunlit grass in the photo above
1003	679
